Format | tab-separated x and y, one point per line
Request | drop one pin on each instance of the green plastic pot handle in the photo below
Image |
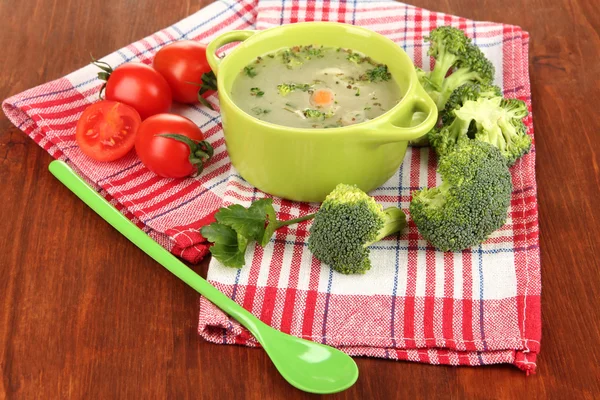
221	40
417	100
96	202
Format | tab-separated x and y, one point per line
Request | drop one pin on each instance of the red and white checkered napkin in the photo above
170	211
480	306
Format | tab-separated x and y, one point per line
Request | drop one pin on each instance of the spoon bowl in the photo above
309	366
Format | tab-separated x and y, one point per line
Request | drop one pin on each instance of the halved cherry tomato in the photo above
137	85
172	146
106	130
183	64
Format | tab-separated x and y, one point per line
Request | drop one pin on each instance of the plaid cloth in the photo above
480	306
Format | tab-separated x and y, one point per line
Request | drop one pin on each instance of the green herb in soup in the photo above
315	87
290	59
260	111
256	92
378	74
250	71
355	58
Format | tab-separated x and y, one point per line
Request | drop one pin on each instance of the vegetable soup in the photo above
315	87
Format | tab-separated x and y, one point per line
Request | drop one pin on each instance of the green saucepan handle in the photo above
96	202
228	37
401	124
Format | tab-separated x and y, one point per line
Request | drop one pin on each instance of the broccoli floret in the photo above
453	52
348	221
493	120
468	91
503	127
445	137
287	88
312	114
471	202
316	114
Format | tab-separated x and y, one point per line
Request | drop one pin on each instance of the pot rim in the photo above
248	37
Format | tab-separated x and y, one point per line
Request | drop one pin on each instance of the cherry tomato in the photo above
183	63
106	130
139	86
172	146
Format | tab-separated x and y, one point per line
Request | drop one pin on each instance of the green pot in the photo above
306	164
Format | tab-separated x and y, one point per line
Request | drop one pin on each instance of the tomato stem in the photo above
209	83
200	150
104	74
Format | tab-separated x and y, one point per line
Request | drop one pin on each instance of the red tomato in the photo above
106	130
182	64
141	87
172	157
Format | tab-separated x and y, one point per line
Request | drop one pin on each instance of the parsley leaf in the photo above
229	247
238	226
248	222
235	228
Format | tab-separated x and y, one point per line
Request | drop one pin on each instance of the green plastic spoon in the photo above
309	366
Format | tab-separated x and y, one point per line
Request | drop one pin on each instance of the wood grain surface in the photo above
101	320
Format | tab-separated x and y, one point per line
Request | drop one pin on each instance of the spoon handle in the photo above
96	202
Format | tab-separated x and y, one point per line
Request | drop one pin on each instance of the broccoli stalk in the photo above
477	70
345	225
394	221
447	47
470	204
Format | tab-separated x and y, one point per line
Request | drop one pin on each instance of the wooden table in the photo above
100	320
